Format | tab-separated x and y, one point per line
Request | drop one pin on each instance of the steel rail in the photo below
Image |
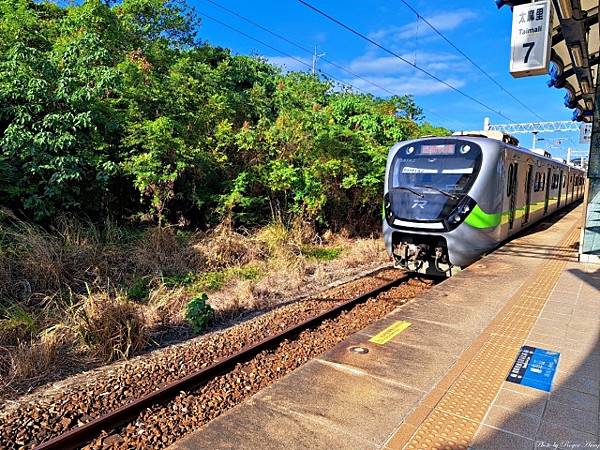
81	435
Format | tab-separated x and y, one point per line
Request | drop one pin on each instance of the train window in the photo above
543	181
440	171
537	182
564	181
509	180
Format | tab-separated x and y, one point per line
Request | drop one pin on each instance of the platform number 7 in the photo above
529	46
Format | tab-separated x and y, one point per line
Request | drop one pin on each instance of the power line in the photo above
429	74
307	50
274	49
419	16
299	46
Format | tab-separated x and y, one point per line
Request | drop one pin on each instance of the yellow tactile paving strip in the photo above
450	415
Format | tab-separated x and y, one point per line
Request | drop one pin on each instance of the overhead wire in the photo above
274	49
391	52
299	46
483	71
306	50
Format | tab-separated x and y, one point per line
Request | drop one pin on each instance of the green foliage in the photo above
322	253
215	280
180	280
116	108
198	313
17	324
139	289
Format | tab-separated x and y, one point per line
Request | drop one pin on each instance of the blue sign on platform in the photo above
534	367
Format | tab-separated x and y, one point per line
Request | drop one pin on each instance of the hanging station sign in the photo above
585	133
531	40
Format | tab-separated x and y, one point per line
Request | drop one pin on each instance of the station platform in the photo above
435	374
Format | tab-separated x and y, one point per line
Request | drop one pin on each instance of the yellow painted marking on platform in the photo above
390	332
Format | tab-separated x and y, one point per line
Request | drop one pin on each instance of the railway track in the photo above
141	421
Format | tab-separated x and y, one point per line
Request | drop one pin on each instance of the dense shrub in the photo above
117	108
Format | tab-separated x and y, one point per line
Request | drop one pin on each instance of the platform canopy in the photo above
575	52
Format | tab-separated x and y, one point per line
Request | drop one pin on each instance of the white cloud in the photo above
381	73
446	21
431	61
296	63
401	77
416	85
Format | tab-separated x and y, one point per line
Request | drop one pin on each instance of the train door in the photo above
572	187
548	184
560	184
511	191
528	178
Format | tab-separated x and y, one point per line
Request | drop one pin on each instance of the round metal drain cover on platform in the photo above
359	350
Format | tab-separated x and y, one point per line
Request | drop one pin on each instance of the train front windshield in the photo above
427	179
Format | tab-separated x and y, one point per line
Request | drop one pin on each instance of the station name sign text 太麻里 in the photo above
530	43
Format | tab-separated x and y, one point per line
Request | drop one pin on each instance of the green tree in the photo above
117	107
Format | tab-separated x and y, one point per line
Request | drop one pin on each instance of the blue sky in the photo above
478	28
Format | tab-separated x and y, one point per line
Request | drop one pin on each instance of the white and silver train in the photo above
448	200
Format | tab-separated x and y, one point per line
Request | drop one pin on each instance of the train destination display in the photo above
444	149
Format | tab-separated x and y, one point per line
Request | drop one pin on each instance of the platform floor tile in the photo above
556	310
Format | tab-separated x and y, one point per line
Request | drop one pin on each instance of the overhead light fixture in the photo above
577	55
589	104
585	86
566	9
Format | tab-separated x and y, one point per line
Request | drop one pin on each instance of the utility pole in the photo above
534	140
316	57
569	155
486	123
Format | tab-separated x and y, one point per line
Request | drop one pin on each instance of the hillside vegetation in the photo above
140	165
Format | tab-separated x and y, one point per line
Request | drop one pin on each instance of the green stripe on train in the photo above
480	219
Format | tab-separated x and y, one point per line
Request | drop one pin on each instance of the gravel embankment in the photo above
47	413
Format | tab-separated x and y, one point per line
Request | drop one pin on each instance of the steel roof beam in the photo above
537	127
574	33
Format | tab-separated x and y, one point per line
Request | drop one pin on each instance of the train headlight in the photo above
387	208
464	149
460	213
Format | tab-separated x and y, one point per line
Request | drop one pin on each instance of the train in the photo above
449	200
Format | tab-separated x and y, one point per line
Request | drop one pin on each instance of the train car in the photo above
448	200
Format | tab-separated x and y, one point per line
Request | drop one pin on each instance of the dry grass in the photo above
224	247
110	327
36	359
160	251
64	290
165	306
289	273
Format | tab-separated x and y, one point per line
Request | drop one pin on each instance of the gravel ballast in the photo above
50	412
